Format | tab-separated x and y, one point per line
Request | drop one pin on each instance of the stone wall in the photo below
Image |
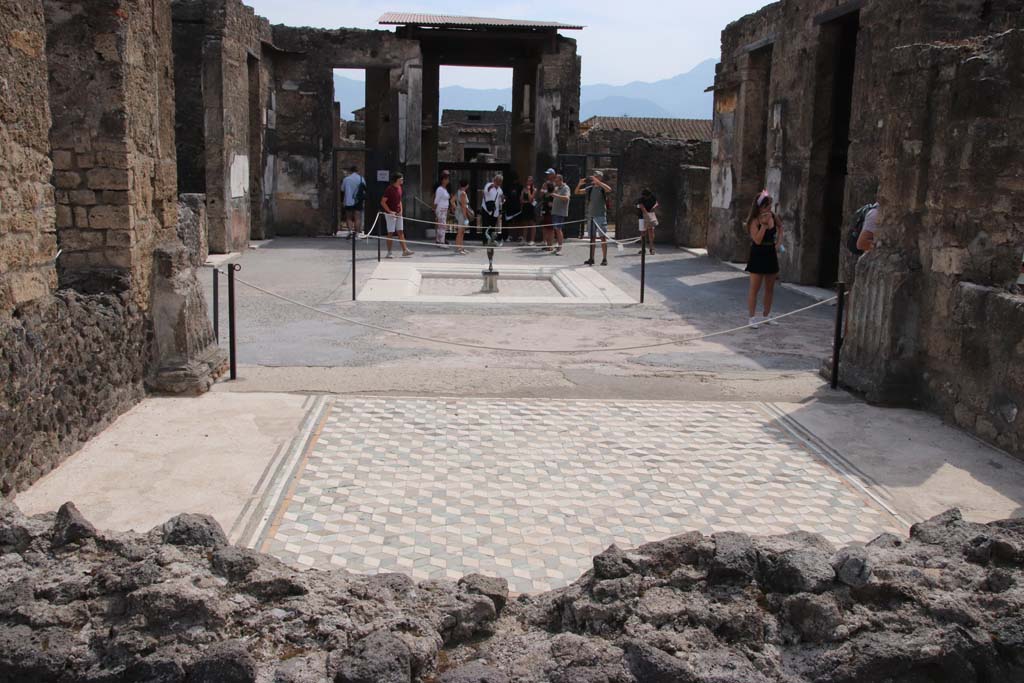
303	187
114	156
221	43
189	34
935	316
71	360
558	103
677	173
27	237
180	605
774	91
69	364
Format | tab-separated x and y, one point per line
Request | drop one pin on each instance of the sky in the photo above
642	40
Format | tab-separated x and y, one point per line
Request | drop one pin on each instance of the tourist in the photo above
596	194
391	203
528	199
512	209
765	231
868	230
560	211
353	189
463	215
646	211
494	197
544	203
442	203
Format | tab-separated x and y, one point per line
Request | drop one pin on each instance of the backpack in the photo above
856	226
361	193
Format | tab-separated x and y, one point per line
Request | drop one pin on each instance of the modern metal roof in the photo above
679	129
449	21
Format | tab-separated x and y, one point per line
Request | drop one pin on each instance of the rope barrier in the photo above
517	227
569	242
484	347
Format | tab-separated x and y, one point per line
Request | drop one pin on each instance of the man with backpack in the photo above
862	232
353	188
597	194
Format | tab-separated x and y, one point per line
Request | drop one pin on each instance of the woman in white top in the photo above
463	215
442	202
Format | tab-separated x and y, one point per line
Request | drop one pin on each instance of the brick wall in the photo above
27	237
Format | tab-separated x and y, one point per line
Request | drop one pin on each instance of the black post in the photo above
592	226
643	265
354	240
377	237
837	343
216	304
232	267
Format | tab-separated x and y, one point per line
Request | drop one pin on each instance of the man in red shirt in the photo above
391	203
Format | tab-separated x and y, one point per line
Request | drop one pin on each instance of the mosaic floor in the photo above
531	489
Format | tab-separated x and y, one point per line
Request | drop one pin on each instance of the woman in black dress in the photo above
765	231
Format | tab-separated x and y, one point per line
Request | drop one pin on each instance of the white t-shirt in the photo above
350	186
493	193
871	222
442	199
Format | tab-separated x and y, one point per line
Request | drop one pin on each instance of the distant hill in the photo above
617	105
681	96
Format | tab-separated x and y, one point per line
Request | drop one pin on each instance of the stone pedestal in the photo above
186	358
490	282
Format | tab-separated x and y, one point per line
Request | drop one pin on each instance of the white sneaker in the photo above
770	320
408	254
557	252
530	244
755	322
388	255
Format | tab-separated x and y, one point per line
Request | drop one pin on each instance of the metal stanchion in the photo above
379	239
216	304
232	267
593	240
353	266
837	343
643	265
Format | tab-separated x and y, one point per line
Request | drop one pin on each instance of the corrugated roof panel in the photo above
450	21
679	129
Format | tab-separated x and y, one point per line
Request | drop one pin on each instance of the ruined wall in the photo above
188	35
27	237
773	96
73	359
935	315
558	103
234	98
68	363
304	193
114	156
677	173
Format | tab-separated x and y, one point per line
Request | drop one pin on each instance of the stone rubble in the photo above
180	604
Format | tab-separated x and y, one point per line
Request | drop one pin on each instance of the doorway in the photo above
836	64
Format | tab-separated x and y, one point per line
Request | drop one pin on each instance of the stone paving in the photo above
531	489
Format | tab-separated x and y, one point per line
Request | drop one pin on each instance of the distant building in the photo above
611	134
466	134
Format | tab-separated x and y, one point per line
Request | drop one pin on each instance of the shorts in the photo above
598	222
644	224
441	216
354	208
559	221
395	223
488	221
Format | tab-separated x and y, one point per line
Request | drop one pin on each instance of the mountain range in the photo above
681	96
